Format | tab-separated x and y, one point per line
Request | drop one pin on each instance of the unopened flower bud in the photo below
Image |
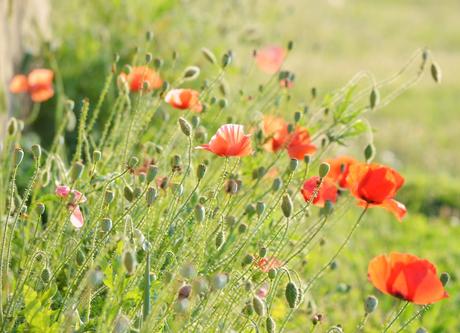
185	126
231	187
436	72
108	197
316	318
374	98
200	213
128	193
36	151
223	103
323	169
121	324
219	281
421	330
76	171
195	121
226	59
209	55
106	224
45	275
242	228
260	208
149	36
263	251
247	260
201	170
277	183
151	195
12	126
188	271
369	152
272	273
133	162
297	116
148	57
200	286
292	294
18	156
259	306
293	164
444	277
290	45
151	173
97	155
191	73
80	257
270	325
370	304
40	209
184	291
286	205
220	238
69	105
307	159
250	210
129	262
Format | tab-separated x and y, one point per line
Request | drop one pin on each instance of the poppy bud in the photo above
290	45
369	152
248	309
323	169
12	126
317	318
95	278
195	121
184	291
18	156
297	116
328	208
148	57
200	213
129	262
223	103
40	208
97	155
149	36
250	210
293	164
272	273
209	55
151	173
444	277
191	73
263	251
247	260
151	195
290	128
45	275
219	280
201	170
185	126
142	177
133	162
188	271
374	98
36	151
80	257
436	72
314	92
226	59
248	285
106	224
270	325
232	186
287	206
277	183
292	294
259	306
108	197
69	105
421	330
260	208
200	286
220	238
370	304
242	228
128	193
307	159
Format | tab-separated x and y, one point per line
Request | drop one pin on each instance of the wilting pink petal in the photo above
76	217
62	191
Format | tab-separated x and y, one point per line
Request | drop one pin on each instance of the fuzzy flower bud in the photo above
323	169
292	295
76	171
287	206
36	151
259	306
185	126
18	156
370	304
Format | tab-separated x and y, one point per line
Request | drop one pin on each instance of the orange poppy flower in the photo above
327	191
376	185
300	144
269	59
276	130
229	141
407	277
184	99
141	74
265	264
339	168
38	83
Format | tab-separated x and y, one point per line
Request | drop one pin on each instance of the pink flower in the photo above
269	59
76	216
229	141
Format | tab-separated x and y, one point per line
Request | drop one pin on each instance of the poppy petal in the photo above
76	217
19	84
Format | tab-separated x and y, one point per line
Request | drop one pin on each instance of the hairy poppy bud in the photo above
374	98
286	205
201	170
184	291
209	55
248	309
185	126
151	195
223	103
36	151
369	152
151	173
421	330
277	183
324	169
297	116
133	162
97	155
195	121
106	224
292	294
76	171
263	251
290	45
201	286
370	304
40	208
128	193
18	156
444	277
191	73
270	325
108	197
231	187
149	36
219	281
307	159
129	262
148	57
259	306
242	228
250	209
226	59
188	271
290	128
80	257
12	126
247	260
220	238
260	208
293	164
272	273
436	72
45	275
200	213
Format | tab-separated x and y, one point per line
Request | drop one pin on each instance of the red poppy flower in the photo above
407	277
327	191
269	59
229	141
300	144
339	168
376	185
38	83
140	75
76	216
276	130
184	99
265	264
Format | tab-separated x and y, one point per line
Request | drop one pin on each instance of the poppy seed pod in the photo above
209	55
259	306
36	151
369	152
374	98
151	195
292	294
12	126
108	197
151	173
184	291
444	277
129	262
185	126
324	169
201	170
286	205
191	73
18	156
370	304
436	73
133	162
277	183
293	164
188	271
200	213
219	281
76	171
106	224
270	325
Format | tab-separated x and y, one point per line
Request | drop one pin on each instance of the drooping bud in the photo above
45	275
18	156
108	197
374	98
36	151
259	306
97	155
290	45
185	126
76	171
293	164
209	55
370	304
369	152
129	262
292	294
436	72
12	126
286	205
263	251
323	169
128	193
133	162
191	73
226	59
270	325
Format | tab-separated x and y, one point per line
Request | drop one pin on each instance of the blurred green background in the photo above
417	133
